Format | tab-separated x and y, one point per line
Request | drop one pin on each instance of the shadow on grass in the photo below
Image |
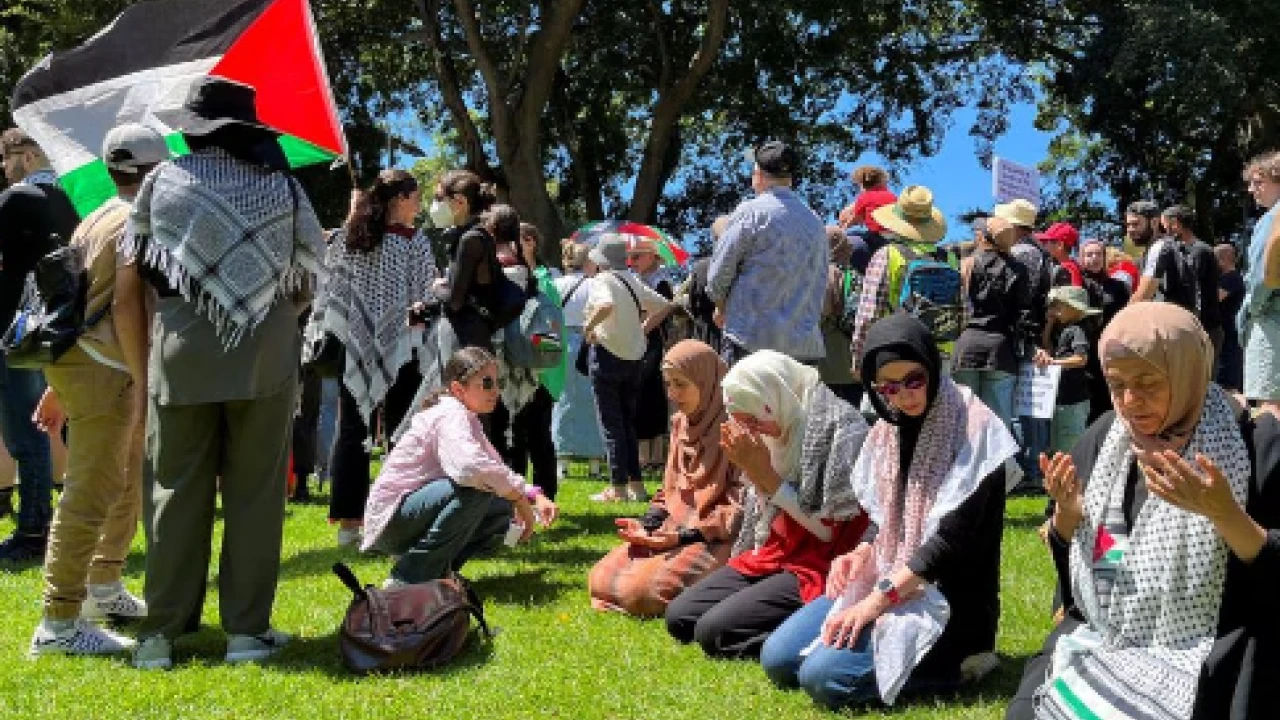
1001	684
323	654
530	587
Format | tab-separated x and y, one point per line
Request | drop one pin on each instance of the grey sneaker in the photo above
249	648
154	653
120	604
349	537
78	638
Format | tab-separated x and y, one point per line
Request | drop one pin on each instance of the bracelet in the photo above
531	492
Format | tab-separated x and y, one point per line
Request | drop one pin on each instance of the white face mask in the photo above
441	214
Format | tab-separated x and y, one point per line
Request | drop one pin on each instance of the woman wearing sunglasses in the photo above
795	443
918	599
444	493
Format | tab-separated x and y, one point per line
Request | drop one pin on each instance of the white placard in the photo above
1011	181
1036	392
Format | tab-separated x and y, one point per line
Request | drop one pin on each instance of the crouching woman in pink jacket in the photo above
444	494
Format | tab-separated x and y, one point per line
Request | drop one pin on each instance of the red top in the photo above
792	547
868	202
1127	267
1073	269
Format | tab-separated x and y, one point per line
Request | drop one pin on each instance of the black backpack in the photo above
55	318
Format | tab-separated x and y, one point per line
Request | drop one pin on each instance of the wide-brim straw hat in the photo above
913	216
1076	297
1019	212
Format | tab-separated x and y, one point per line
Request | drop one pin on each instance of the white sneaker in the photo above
154	653
120	604
562	468
392	583
80	637
248	648
349	537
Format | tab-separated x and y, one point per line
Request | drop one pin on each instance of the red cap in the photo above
1062	232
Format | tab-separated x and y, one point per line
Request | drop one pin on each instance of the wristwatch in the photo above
885	586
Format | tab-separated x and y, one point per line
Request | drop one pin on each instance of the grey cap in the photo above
131	146
610	252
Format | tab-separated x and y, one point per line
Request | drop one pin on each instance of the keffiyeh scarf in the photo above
230	237
364	303
1151	597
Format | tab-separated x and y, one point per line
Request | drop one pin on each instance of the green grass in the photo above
554	656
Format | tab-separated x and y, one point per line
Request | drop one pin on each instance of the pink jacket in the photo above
468	458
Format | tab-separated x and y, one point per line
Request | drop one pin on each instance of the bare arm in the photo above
1271	260
1146	290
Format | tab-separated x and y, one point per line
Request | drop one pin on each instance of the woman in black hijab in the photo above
931	477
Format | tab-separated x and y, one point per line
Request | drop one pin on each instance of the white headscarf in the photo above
771	386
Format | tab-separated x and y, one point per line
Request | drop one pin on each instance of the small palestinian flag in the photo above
141	66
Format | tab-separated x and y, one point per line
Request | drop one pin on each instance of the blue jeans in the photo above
994	388
833	677
20	392
616	383
440	526
1033	437
1069	423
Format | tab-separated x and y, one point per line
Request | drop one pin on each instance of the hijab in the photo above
900	337
770	386
696	457
1172	341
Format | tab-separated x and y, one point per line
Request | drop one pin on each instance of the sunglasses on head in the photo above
915	380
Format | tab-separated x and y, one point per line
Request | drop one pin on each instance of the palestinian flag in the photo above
142	65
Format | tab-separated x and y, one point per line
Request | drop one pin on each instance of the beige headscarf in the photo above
771	386
1173	342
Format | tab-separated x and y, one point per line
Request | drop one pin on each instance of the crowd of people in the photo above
831	409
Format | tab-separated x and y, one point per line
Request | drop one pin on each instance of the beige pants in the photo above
97	515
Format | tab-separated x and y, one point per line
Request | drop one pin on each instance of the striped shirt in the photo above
769	272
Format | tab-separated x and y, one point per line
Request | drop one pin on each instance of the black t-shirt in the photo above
1072	341
1205	266
1229	307
30	215
1167	263
998	296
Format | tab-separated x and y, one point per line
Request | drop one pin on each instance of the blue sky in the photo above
959	183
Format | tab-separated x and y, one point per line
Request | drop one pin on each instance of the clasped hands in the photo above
747	451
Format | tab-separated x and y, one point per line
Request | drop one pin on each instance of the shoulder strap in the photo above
572	290
630	292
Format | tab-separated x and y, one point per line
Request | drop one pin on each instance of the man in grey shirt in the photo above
768	272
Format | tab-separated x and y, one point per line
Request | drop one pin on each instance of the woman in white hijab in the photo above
795	443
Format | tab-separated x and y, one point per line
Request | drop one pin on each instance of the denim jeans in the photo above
1033	437
994	388
20	392
1069	423
833	677
440	526
616	383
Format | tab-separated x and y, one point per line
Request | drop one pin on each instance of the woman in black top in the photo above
470	298
1164	537
998	298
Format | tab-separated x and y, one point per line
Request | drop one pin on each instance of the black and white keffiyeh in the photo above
229	236
1151	597
364	303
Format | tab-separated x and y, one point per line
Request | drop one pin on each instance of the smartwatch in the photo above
885	586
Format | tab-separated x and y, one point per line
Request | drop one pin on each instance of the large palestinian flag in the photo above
142	65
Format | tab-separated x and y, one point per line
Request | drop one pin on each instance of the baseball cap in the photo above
133	145
1062	232
775	158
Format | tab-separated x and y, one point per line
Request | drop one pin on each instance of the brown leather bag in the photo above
410	627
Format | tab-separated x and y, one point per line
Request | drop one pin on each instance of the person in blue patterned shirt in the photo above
768	272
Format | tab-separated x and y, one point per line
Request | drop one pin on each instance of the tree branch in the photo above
548	46
475	43
664	52
451	90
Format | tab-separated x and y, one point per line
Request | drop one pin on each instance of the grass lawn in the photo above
554	656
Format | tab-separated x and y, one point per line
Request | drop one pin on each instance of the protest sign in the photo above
1036	391
1011	181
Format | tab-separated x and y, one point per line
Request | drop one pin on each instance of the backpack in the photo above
1181	286
534	339
932	293
410	627
55	319
851	293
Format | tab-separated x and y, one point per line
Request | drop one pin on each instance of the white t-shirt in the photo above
574	310
621	333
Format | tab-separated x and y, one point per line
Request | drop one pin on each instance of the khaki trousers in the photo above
241	447
97	515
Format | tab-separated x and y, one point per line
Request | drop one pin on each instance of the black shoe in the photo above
23	548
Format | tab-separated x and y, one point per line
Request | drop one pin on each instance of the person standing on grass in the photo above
689	529
617	314
768	271
575	423
90	388
1259	321
35	216
916	604
1069	346
653	413
444	494
1178	221
795	443
232	248
1231	296
379	266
